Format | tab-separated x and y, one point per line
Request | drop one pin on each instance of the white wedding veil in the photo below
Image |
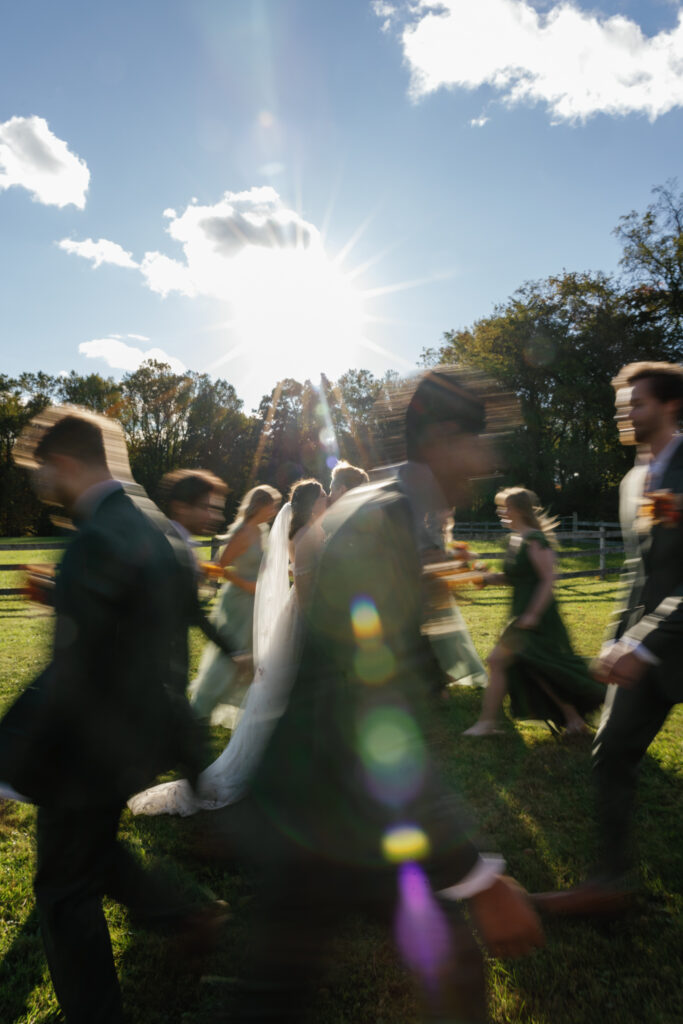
272	586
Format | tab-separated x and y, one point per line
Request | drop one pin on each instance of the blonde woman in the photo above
534	660
217	679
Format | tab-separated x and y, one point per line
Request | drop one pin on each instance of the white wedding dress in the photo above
276	635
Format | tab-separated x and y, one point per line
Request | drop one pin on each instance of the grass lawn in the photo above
532	798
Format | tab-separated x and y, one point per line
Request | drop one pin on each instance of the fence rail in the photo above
53	545
605	534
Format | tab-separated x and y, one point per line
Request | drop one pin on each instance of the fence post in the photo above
575	524
602	551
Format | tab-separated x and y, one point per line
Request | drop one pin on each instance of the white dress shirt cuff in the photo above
641	651
481	877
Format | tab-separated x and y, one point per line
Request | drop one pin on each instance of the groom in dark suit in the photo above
642	658
106	716
351	812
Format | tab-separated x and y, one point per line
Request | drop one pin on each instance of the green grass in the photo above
532	797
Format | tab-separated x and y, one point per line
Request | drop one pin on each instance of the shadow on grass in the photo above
21	969
533	797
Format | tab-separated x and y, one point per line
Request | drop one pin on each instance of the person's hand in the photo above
505	919
527	621
619	665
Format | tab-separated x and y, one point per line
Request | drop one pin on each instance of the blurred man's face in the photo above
648	415
202	518
51	478
456	459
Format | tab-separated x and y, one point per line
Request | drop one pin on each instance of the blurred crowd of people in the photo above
334	637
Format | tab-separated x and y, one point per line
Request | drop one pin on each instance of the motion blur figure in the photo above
346	810
195	502
641	660
106	716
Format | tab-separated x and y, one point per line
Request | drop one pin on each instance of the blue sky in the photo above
222	156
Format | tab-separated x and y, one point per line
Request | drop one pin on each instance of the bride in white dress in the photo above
295	538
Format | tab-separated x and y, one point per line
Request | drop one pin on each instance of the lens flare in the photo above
405	842
393	754
374	663
422	934
365	620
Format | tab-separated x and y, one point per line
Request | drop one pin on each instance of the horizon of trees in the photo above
556	343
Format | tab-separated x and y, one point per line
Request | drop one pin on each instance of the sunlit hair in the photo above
76	437
408	409
189	486
665	380
33	444
526	503
348	476
303	497
252	502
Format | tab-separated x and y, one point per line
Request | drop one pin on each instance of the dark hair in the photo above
348	476
441	398
76	437
665	380
189	486
303	497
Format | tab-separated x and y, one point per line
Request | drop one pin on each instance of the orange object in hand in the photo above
40	583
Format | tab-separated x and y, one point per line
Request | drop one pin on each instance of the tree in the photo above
21	399
653	261
154	414
557	344
101	394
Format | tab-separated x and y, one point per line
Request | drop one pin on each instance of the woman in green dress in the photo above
534	661
218	679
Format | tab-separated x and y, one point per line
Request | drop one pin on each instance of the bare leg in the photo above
574	723
493	695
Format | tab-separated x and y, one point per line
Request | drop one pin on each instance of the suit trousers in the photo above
79	860
631	720
301	909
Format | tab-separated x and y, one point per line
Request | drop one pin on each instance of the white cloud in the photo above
163	275
120	356
577	62
212	236
386	11
101	251
290	310
35	159
479	122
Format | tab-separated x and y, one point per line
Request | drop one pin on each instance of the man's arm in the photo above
223	640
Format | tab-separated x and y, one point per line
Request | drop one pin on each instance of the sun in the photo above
295	312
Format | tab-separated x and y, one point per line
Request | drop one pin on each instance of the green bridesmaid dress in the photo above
544	653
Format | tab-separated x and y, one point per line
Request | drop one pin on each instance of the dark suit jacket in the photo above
196	614
349	761
109	712
652	608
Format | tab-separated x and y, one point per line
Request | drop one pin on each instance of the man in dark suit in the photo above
642	657
195	502
106	716
351	813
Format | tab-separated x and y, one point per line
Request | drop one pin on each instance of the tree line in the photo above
556	343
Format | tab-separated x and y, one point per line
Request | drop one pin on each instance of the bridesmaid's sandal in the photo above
483	729
575	729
